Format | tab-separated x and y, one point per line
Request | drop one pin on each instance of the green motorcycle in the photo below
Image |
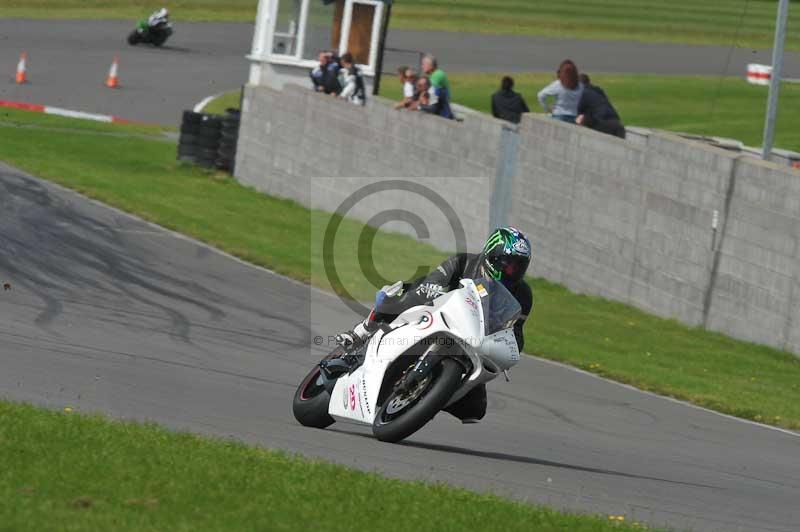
149	33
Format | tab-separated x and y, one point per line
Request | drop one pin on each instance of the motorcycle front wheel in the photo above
133	38
404	413
311	400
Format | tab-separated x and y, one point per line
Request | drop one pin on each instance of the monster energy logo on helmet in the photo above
495	239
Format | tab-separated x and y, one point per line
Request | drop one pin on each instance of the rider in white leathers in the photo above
158	17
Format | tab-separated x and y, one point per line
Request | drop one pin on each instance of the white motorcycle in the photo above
427	359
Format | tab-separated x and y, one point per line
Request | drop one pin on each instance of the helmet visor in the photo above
511	267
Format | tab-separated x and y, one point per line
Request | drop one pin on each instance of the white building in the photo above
290	34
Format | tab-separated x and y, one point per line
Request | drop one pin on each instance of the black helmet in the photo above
506	255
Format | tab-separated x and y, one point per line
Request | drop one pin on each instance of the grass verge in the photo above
724	22
75	472
22	119
608	338
224	101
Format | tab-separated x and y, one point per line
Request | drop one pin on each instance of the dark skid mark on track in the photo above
74	260
81	250
83	351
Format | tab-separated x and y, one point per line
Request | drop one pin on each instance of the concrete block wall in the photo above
297	144
672	226
625	220
756	291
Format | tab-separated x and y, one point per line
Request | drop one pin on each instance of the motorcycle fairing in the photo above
455	317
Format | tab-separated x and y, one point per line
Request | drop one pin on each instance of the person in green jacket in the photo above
435	74
440	88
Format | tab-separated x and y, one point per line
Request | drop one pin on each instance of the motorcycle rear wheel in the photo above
395	421
311	400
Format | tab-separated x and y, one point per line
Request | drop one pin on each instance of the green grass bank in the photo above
84	473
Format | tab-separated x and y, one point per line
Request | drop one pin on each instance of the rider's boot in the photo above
358	336
350	342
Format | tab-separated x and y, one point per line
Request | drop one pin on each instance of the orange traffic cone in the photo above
112	81
22	68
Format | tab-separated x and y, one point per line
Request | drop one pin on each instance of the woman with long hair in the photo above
566	90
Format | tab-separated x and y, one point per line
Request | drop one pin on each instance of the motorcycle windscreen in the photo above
500	308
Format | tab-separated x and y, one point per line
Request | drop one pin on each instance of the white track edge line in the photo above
665	397
69	113
205	101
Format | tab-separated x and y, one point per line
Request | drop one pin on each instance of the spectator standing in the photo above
567	91
352	81
596	112
507	104
325	77
408	78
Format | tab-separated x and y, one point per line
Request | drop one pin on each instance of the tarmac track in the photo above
109	313
69	59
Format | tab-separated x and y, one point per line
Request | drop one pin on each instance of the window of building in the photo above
287	27
322	28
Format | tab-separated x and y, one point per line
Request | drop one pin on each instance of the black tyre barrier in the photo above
190	129
209	140
196	140
198	160
223	164
208	133
190	117
207	153
194	151
206	129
